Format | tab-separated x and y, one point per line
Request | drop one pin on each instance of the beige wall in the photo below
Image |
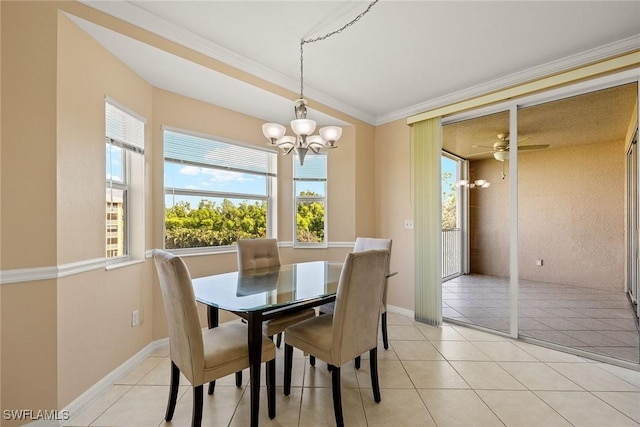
571	215
29	332
394	205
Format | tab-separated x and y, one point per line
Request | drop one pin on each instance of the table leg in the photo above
212	316
212	319
254	323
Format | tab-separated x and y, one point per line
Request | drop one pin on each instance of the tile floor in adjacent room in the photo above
593	320
429	376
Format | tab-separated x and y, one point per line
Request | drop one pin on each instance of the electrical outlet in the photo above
408	224
135	318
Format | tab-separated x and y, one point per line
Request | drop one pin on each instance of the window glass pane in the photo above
192	221
310	221
115	163
208	179
115	220
223	191
310	188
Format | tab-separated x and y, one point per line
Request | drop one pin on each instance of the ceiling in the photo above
401	58
596	117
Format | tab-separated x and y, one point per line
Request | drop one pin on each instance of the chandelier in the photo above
303	128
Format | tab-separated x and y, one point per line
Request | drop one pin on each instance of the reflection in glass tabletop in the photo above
269	288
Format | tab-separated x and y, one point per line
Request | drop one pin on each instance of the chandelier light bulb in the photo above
330	134
303	127
273	131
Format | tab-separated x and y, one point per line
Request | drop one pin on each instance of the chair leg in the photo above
196	421
212	387
356	362
279	340
271	387
337	395
385	335
173	392
288	364
239	379
373	363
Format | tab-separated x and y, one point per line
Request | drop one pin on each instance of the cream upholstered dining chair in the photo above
261	253
202	356
351	330
365	244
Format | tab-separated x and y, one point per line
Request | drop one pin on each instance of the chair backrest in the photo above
357	309
368	243
185	334
257	253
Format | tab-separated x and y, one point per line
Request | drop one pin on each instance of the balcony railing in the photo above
451	262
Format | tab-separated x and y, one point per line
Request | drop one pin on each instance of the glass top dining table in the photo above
262	294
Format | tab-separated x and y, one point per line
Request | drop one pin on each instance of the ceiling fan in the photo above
500	149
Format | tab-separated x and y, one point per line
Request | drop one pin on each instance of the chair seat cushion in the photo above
275	326
312	336
226	350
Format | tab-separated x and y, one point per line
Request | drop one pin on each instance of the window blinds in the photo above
314	169
124	129
205	152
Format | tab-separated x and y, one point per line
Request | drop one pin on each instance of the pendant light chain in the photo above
326	36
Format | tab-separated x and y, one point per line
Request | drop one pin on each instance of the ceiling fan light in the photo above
462	183
501	155
303	127
480	182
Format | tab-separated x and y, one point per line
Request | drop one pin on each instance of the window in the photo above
310	189
124	160
216	192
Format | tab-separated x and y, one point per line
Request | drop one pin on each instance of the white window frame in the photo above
301	199
130	139
271	187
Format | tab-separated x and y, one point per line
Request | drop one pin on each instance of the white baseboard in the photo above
114	376
402	311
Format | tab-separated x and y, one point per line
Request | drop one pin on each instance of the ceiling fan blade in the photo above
483	146
479	154
533	147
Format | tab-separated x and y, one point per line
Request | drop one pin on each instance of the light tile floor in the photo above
592	320
430	376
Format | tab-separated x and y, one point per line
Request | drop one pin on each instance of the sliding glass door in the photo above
481	296
552	242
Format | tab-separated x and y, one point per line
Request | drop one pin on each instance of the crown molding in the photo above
592	56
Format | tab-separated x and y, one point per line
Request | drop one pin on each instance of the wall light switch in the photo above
539	262
135	318
408	224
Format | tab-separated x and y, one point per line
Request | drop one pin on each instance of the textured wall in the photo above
571	215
